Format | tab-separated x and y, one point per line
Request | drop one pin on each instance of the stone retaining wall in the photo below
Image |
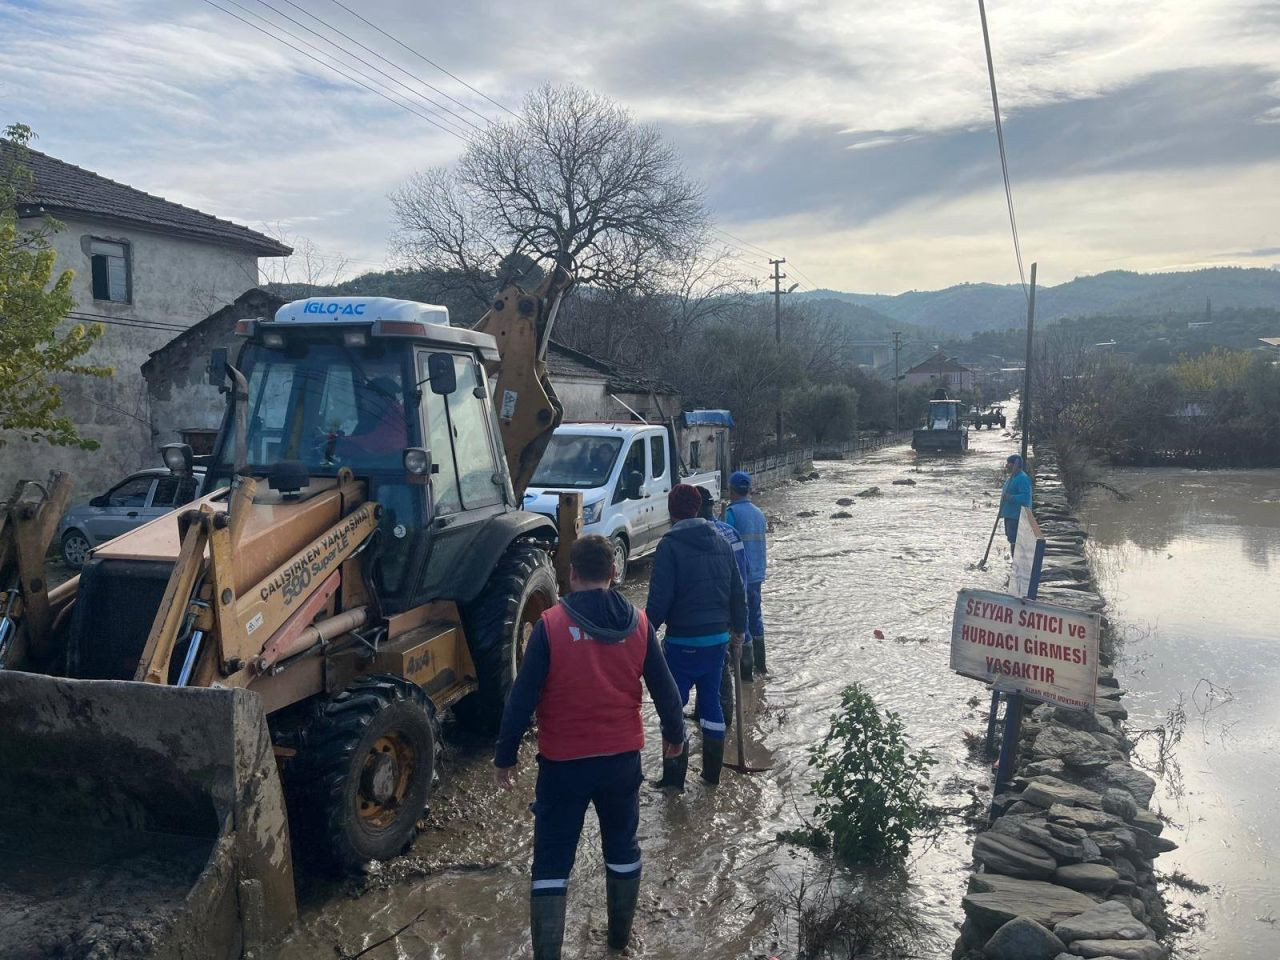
1067	868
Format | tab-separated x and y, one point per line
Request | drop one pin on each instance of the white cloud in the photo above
181	100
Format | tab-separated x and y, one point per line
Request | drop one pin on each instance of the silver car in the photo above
137	499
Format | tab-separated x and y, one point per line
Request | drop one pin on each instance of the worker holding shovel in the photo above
753	527
696	590
1015	495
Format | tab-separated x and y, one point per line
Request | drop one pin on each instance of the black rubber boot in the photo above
712	760
757	653
546	926
749	666
621	894
674	771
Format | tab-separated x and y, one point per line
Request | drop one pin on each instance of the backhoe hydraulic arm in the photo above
528	409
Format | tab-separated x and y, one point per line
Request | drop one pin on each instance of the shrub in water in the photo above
872	789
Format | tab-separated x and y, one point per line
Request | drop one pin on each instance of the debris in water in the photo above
905	482
870	492
807	513
842	515
844	502
878	634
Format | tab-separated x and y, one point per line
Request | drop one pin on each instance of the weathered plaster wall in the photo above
174	281
180	396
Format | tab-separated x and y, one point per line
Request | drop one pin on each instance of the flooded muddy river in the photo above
1191	571
715	876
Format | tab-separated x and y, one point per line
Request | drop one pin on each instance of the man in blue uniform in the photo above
746	518
695	589
1015	495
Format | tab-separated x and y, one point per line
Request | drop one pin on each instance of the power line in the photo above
325	54
746	243
388	60
345	76
125	321
353	56
424	58
1004	162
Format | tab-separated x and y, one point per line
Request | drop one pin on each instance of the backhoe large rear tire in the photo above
364	768
499	623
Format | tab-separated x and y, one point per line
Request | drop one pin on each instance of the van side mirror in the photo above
218	366
441	373
631	485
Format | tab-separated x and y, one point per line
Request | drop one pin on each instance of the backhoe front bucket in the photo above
138	820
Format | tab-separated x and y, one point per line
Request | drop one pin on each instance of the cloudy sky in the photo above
852	138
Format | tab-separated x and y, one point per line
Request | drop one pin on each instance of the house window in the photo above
110	270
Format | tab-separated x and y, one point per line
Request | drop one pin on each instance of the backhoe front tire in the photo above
364	769
498	625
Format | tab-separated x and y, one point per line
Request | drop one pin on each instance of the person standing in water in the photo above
1015	495
752	526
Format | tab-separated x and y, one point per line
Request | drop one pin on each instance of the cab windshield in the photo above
324	404
577	462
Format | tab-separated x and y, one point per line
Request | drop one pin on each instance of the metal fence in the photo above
851	448
768	470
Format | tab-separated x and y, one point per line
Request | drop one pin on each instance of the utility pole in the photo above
897	346
778	277
1026	374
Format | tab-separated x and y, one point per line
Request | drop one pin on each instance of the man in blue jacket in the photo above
753	527
696	590
1015	495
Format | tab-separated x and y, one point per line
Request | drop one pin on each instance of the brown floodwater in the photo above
715	877
1191	571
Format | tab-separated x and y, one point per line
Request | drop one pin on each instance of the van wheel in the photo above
621	553
498	624
364	769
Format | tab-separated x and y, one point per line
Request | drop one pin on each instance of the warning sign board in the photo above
1042	650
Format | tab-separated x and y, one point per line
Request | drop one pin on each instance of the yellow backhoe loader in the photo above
257	677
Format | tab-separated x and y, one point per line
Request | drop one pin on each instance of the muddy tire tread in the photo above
490	622
316	779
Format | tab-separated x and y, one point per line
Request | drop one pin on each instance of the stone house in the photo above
185	407
145	269
942	371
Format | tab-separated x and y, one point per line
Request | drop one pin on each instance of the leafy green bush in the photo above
872	789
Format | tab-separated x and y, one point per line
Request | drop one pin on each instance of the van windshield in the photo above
576	462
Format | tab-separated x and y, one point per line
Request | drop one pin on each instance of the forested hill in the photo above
972	307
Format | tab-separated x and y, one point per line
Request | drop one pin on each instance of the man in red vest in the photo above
581	672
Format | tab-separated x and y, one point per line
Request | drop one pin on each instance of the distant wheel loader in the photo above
260	674
944	429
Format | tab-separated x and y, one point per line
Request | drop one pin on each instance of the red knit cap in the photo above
684	501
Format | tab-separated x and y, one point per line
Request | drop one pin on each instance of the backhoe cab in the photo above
357	559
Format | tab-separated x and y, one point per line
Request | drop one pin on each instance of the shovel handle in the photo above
737	700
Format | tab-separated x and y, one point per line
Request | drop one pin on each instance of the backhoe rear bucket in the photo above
138	820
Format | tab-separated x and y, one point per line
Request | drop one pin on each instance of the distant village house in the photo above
145	268
940	370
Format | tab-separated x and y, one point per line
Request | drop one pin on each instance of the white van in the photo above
624	472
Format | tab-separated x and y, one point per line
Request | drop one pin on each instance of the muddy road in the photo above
715	876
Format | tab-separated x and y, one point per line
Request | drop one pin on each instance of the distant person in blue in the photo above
746	518
1015	495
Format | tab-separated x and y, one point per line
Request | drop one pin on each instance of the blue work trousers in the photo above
565	788
755	616
1011	529
700	667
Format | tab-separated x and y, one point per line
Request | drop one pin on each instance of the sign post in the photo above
1024	581
1027	649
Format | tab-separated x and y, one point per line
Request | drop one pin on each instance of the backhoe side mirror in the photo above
441	373
218	367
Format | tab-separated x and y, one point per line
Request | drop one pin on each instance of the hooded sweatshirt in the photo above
571	690
695	587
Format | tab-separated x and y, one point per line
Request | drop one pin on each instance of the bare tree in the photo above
307	267
575	182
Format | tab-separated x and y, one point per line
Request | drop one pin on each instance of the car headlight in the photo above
592	511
